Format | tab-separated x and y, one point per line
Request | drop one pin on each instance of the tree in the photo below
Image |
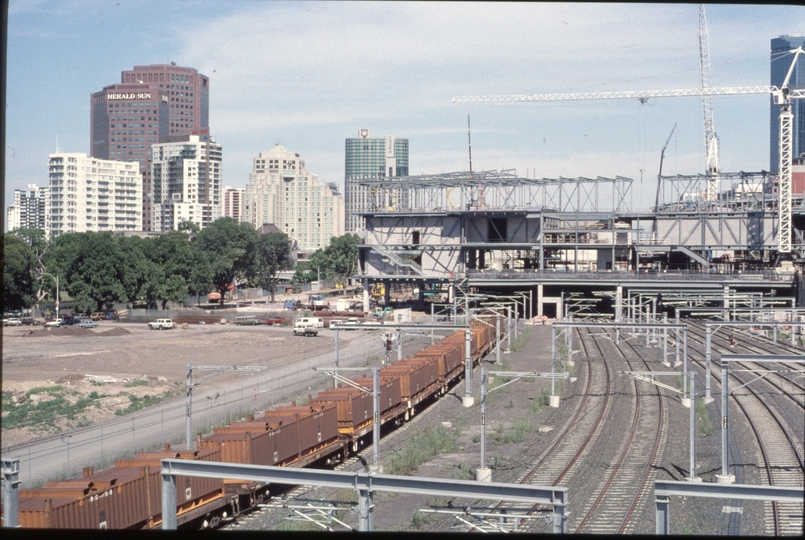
94	269
18	264
229	247
304	273
185	270
40	245
273	255
339	260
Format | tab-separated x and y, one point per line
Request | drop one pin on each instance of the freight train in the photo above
334	425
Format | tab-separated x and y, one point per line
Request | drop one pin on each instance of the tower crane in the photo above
710	140
782	96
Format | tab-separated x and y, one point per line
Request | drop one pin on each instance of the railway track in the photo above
628	477
773	409
590	455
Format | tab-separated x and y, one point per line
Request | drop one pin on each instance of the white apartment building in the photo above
233	204
282	192
186	177
31	208
91	194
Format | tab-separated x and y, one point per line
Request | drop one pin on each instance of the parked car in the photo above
30	321
53	323
12	322
70	322
98	316
304	329
161	324
87	324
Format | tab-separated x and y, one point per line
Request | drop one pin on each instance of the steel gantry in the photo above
664	489
725	477
710	328
365	483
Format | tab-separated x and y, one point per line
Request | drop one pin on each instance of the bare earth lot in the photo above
115	361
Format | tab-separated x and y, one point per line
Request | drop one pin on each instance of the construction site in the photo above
712	242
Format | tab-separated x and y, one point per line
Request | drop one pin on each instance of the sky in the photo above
311	74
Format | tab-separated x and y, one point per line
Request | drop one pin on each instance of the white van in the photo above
315	322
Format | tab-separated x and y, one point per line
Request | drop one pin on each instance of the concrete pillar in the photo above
618	304
387	292
366	299
539	300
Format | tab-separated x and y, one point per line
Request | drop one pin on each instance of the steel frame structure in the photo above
498	190
663	491
365	483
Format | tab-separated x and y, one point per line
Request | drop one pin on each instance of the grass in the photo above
463	472
703	424
522	339
541	400
44	390
519	431
137	403
138	382
422	448
42	416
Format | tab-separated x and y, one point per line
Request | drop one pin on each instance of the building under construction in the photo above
574	245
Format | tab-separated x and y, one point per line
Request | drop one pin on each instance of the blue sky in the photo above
311	74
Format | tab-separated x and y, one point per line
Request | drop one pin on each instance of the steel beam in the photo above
664	490
11	492
746	492
361	481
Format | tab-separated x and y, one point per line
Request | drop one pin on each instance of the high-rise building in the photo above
282	192
186	175
780	64
31	208
232	203
150	103
371	158
90	194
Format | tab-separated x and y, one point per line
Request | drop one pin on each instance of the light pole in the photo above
57	291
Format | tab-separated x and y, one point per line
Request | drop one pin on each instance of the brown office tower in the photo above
150	104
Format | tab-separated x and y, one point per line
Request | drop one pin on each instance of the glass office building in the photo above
371	158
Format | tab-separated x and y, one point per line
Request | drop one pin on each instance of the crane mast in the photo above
710	140
782	96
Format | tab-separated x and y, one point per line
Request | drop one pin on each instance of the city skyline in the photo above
329	69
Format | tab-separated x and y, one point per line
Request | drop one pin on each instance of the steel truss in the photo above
734	191
497	190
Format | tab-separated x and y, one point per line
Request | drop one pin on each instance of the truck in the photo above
305	329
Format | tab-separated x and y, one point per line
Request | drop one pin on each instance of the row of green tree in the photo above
99	268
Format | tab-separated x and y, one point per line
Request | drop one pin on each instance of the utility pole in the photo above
189	391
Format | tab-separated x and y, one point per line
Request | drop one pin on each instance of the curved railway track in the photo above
606	470
771	407
609	490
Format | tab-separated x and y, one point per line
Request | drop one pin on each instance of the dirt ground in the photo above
118	360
